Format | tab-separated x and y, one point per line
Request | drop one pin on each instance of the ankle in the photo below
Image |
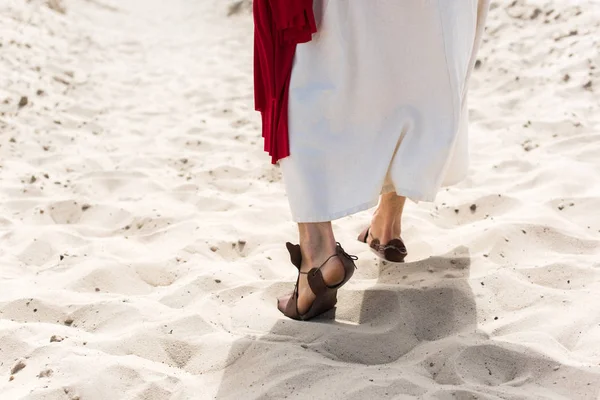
386	220
385	224
390	209
314	254
316	244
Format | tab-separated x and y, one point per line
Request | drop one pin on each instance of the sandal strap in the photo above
317	282
343	253
315	278
396	244
339	253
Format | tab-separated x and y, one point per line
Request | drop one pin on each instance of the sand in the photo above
142	227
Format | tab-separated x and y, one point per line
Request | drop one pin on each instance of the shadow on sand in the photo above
388	338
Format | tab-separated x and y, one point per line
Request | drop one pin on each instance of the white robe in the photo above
378	103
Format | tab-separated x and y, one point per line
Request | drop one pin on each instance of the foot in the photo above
387	219
384	229
313	257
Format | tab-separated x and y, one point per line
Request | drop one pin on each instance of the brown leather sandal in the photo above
393	251
326	296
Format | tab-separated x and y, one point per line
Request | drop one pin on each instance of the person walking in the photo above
364	104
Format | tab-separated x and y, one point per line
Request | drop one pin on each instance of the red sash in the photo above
279	25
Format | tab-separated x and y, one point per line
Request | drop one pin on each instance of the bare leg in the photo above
387	219
317	244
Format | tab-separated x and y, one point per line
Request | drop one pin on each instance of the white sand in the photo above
128	184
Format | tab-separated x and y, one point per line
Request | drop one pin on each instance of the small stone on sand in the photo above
17	367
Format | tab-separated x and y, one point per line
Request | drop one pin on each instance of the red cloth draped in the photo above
279	25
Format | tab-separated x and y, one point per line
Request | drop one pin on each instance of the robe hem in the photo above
411	194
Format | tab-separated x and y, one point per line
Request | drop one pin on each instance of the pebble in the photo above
17	367
56	338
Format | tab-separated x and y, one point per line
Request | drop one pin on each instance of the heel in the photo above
395	251
348	263
325	296
321	305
